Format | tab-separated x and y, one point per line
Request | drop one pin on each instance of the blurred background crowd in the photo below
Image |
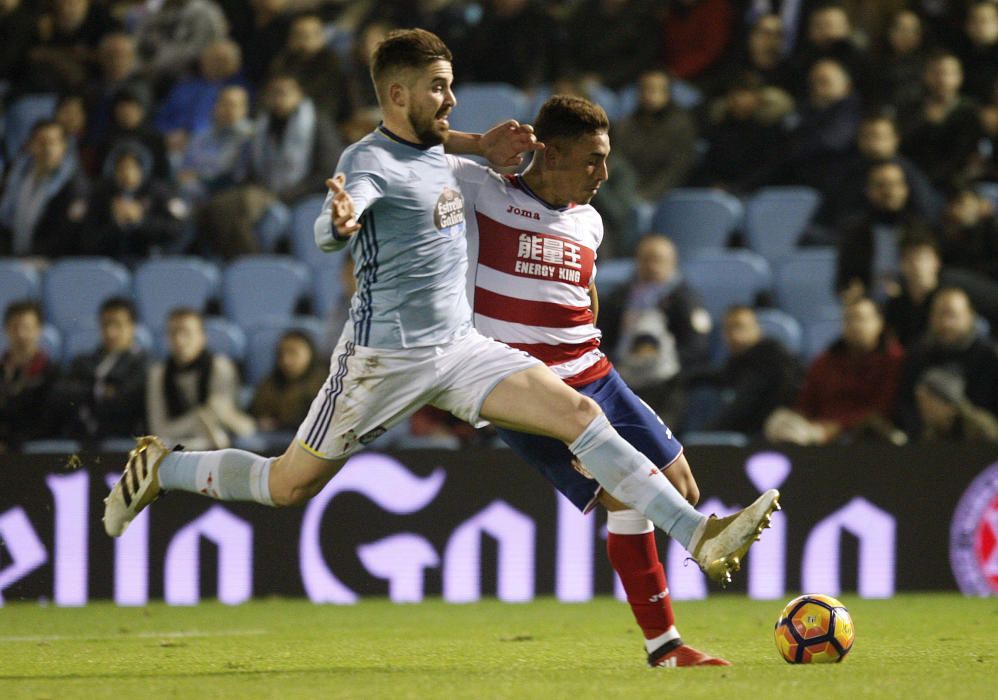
801	235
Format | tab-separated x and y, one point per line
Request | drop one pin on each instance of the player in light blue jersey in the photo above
410	341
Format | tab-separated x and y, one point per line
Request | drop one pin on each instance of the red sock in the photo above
635	559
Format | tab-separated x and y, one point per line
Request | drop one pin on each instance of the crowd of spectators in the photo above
195	126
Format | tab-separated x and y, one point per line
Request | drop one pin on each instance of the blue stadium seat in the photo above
480	106
697	219
86	339
74	289
303	245
255	287
805	283
226	338
775	218
163	284
613	274
727	277
684	94
22	115
782	327
326	286
820	332
58	446
723	438
18	281
263	337
988	190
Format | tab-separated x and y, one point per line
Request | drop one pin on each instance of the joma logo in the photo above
523	212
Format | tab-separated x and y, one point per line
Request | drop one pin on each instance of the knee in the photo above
586	411
692	493
288	487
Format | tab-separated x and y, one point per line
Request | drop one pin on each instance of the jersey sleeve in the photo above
365	183
469	175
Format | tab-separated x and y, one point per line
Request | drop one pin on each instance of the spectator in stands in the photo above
133	214
830	38
119	69
170	40
877	142
611	41
869	248
364	102
316	67
266	35
945	412
218	157
187	108
44	198
523	33
968	244
696	34
743	143
17	26
759	375
828	125
906	311
659	139
64	45
762	56
900	62
281	401
940	133
656	327
130	124
978	52
849	389
191	397
103	392
71	113
27	375
952	342
293	150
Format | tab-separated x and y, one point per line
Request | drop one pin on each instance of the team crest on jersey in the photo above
449	210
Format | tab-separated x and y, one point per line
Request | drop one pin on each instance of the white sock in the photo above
228	475
632	479
628	522
667	636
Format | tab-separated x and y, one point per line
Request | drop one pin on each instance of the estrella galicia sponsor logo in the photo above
449	210
973	543
372	435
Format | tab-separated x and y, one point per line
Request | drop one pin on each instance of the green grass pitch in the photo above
912	646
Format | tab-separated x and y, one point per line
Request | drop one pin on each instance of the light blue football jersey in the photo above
410	255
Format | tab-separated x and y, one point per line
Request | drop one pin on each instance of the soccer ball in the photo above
814	629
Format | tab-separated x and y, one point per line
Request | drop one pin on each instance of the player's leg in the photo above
344	416
488	380
536	401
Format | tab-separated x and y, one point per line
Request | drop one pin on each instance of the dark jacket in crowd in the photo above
105	395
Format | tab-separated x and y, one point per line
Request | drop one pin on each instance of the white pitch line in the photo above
127	636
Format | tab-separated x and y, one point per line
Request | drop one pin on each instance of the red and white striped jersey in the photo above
530	266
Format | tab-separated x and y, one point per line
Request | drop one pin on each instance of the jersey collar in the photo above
520	183
398	139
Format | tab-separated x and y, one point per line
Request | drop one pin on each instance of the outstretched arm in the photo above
503	145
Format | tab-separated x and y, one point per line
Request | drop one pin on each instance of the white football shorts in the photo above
369	390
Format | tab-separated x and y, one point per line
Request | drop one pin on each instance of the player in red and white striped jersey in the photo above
532	242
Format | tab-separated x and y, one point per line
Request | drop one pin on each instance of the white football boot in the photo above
137	487
720	544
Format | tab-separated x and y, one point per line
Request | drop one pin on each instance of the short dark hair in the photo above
565	116
46	124
183	312
407	48
118	303
21	307
919	236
